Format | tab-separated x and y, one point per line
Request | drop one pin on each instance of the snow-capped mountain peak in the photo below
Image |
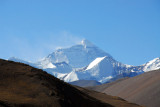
99	69
85	61
77	56
152	65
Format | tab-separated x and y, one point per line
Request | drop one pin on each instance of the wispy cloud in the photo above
38	47
62	40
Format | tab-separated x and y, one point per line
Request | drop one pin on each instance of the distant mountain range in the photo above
85	61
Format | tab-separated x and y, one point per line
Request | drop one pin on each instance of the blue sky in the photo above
129	30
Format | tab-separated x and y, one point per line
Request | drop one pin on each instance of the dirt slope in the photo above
85	83
143	89
22	85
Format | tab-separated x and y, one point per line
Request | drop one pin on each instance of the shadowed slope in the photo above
22	85
143	89
85	83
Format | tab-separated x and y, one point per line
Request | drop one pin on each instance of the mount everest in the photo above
85	61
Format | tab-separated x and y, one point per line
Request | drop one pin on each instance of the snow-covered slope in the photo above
57	69
45	64
100	70
77	56
61	70
152	65
85	61
95	62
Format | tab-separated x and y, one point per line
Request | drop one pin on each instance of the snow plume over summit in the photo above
87	43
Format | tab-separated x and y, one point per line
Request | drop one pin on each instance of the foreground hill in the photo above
85	83
22	85
143	89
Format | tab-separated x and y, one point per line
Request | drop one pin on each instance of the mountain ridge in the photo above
75	61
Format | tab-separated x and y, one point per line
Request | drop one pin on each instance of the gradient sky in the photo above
129	30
